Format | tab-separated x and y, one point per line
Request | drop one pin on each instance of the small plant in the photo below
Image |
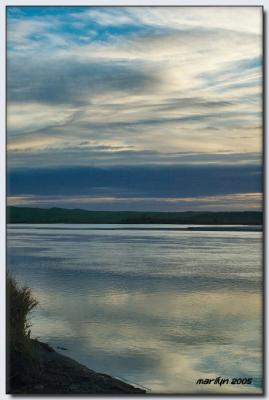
20	302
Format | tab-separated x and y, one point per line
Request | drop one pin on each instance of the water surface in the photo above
155	305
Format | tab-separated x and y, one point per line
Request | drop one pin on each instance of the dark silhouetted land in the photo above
76	216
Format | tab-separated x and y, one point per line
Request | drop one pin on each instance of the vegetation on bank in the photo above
61	215
34	367
20	302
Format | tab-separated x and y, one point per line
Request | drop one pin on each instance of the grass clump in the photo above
21	364
20	302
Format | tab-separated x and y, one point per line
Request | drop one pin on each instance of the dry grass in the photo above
20	302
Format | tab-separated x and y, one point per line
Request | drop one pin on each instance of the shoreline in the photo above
45	371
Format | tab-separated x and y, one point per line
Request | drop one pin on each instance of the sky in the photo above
135	108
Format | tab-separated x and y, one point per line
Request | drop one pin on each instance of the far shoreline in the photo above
55	215
205	228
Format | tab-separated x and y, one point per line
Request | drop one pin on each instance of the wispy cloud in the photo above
235	202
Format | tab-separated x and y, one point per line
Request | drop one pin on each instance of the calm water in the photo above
161	308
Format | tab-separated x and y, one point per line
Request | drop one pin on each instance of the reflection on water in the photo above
161	308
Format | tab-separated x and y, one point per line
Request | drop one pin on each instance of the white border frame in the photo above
166	3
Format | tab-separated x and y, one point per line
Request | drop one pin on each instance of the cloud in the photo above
149	181
33	150
151	83
73	82
233	202
245	19
109	17
26	118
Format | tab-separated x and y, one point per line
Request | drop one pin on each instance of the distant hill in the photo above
76	216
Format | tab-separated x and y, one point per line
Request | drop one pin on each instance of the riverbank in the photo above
42	370
34	367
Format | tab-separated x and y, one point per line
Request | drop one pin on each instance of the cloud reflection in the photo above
159	308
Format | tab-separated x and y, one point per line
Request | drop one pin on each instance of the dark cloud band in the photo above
151	181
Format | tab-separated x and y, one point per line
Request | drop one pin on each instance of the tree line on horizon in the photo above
61	215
